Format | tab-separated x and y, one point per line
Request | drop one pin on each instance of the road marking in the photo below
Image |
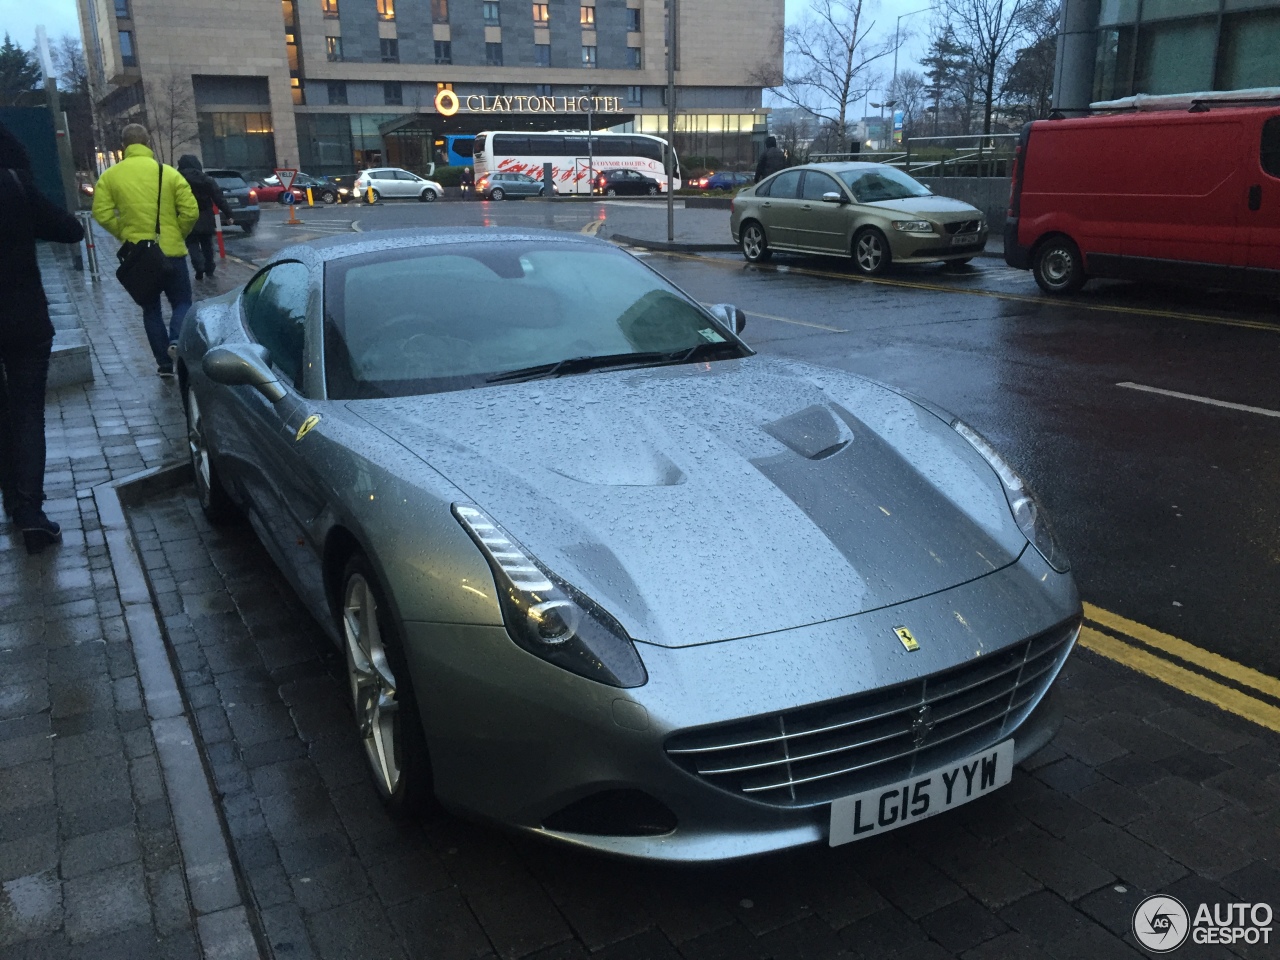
592	228
798	323
1139	647
993	294
1209	400
1188	681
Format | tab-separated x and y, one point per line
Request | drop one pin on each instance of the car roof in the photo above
318	252
841	166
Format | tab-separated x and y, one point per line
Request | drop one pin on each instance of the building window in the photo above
299	97
330	8
439	11
122	9
338	93
587	16
633	95
386	9
588	54
390	49
1176	56
542	55
633	21
634	60
333	49
492	13
128	56
493	54
393	93
444	52
542	13
495	90
542	90
1246	54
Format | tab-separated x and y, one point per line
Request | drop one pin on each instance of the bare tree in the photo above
910	92
1028	85
829	60
990	29
67	55
171	115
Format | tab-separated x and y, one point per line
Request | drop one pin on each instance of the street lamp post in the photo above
672	12
590	94
896	43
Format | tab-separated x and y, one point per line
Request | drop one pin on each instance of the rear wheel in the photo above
497	193
871	256
611	192
755	245
387	719
427	196
542	192
216	503
1057	266
371	193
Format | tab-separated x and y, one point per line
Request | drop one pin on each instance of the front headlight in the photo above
548	617
913	226
343	190
1027	511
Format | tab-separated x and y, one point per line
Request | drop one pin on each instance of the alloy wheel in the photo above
199	451
373	685
497	194
869	252
753	243
611	192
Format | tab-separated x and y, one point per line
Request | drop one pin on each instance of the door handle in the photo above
1255	197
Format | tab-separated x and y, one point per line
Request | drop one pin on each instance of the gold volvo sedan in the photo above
871	212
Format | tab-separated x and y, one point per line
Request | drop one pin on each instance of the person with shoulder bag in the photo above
148	206
208	195
26	339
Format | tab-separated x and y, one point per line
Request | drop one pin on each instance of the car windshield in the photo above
230	183
436	319
870	186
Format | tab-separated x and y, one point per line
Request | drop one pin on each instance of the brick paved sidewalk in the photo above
90	860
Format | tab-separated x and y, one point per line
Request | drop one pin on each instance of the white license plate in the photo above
887	808
964	239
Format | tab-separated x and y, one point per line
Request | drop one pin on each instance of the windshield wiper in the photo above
574	365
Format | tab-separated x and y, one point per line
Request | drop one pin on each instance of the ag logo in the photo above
907	639
307	424
1161	924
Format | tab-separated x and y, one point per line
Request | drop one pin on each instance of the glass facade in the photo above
716	140
239	141
1185	46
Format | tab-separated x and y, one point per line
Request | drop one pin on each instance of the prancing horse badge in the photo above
907	639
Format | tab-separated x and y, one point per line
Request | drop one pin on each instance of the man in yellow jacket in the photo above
124	202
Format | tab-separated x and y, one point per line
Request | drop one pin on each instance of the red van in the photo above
1183	195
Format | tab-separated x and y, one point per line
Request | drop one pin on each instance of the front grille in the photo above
962	226
814	754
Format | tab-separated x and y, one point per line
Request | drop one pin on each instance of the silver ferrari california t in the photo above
603	574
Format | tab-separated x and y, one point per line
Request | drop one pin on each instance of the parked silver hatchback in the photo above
871	212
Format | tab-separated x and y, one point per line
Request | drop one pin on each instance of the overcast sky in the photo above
19	18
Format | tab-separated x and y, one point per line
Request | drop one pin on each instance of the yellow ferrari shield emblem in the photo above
307	424
907	639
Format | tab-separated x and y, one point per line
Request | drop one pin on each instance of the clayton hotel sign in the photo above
448	103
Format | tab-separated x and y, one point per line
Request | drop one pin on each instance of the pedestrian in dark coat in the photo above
207	194
771	161
26	339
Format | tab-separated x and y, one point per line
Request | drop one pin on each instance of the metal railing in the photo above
975	155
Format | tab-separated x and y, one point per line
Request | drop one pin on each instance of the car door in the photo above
285	496
820	224
410	184
384	181
779	210
1262	202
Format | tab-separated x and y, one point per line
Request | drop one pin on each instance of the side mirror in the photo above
732	317
834	197
245	364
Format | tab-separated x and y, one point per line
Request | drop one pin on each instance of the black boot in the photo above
39	531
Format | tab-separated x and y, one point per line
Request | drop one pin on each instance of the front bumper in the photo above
912	249
515	740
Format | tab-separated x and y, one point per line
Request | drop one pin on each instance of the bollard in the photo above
310	200
369	194
217	229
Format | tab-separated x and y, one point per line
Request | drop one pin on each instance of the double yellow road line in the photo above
1184	666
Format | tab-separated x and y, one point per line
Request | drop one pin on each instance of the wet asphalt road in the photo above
1167	506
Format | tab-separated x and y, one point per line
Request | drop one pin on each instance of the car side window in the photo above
816	184
275	304
1271	147
786	185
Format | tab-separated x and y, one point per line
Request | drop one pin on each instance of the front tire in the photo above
216	503
427	196
387	719
328	197
653	191
871	255
496	194
754	243
1057	267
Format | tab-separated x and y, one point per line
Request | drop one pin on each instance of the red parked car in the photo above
1188	193
270	190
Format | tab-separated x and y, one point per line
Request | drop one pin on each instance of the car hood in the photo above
945	208
705	502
